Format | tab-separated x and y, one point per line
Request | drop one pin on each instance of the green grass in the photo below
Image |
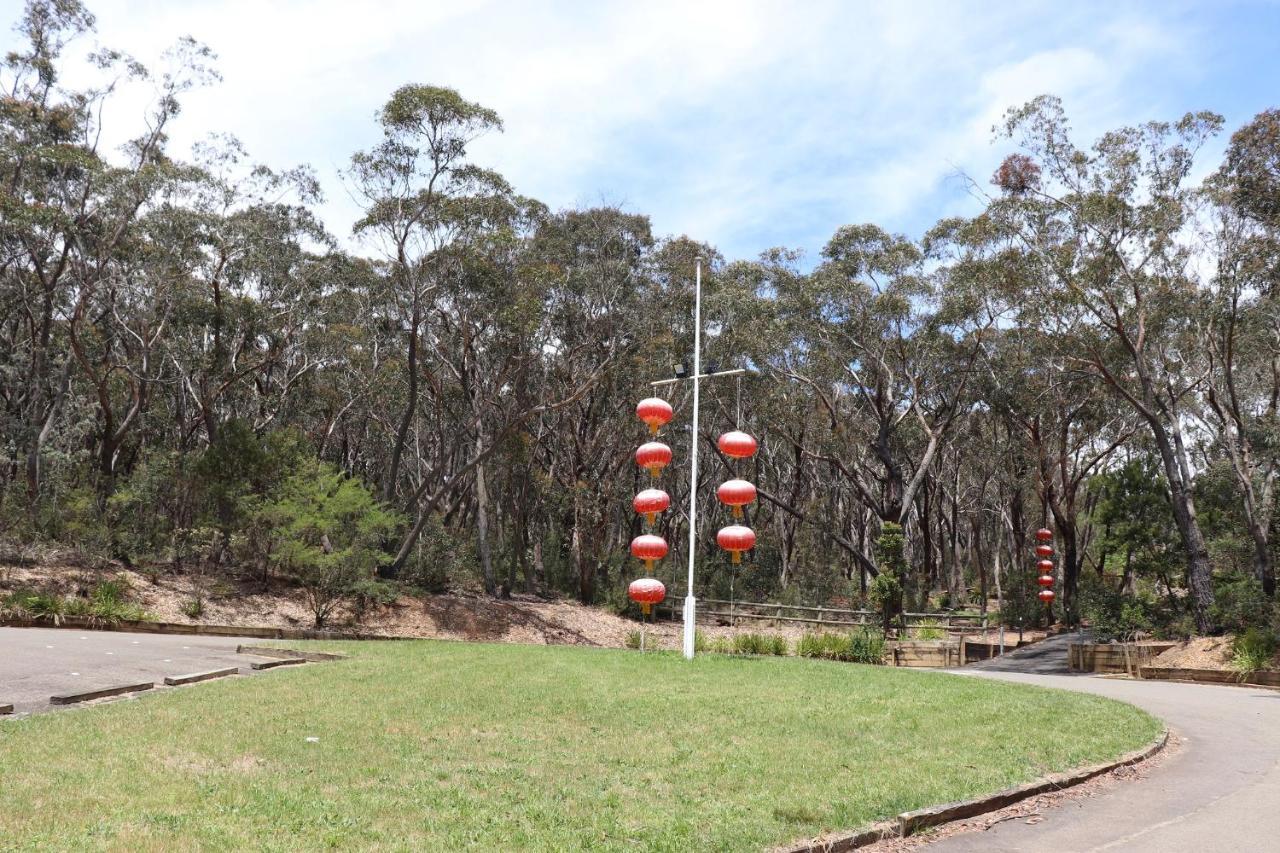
445	746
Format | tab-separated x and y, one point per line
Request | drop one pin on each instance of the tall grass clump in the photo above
862	646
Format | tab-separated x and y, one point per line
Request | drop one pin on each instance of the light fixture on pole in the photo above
682	373
691	603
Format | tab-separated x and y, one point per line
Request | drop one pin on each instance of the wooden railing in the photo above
833	617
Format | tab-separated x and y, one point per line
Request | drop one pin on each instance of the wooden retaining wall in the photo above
1113	657
1210	676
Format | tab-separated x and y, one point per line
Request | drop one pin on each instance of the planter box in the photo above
1211	676
1112	657
923	653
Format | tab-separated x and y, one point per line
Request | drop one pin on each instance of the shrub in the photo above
867	646
1252	650
721	646
109	602
34	604
826	646
633	639
862	646
327	530
193	608
759	644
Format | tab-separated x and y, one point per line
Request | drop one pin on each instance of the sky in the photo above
746	124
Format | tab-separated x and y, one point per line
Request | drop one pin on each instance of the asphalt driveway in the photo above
1220	791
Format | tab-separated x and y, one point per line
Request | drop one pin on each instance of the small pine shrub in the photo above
633	639
193	608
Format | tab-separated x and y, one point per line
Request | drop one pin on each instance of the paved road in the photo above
36	663
1219	792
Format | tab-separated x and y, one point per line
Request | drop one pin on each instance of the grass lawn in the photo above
443	746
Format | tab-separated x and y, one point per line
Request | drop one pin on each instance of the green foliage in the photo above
193	608
440	557
327	531
1252	650
633	639
1239	604
107	602
1114	615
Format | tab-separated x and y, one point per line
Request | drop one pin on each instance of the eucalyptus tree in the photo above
406	181
70	211
1106	225
889	358
1242	238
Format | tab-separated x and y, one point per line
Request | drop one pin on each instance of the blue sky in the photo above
746	124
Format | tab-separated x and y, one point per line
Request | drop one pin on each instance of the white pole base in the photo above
690	607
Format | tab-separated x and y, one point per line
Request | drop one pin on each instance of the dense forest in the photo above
196	374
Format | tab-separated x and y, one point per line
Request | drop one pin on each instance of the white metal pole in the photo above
690	603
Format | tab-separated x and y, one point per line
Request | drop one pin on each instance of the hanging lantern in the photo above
1045	566
1045	580
654	411
1046	595
1044	550
650	502
646	592
736	494
735	539
1044	534
649	548
737	445
653	455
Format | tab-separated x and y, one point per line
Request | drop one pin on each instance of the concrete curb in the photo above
269	652
914	821
272	664
177	680
119	689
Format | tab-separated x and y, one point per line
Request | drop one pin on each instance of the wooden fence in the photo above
819	617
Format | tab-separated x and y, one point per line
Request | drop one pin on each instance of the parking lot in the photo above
37	663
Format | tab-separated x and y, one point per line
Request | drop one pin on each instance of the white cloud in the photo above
749	124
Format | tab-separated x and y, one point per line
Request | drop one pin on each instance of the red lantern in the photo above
737	494
1045	566
1044	550
1046	595
737	445
646	592
735	539
650	502
1045	580
654	411
1044	534
654	455
649	548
